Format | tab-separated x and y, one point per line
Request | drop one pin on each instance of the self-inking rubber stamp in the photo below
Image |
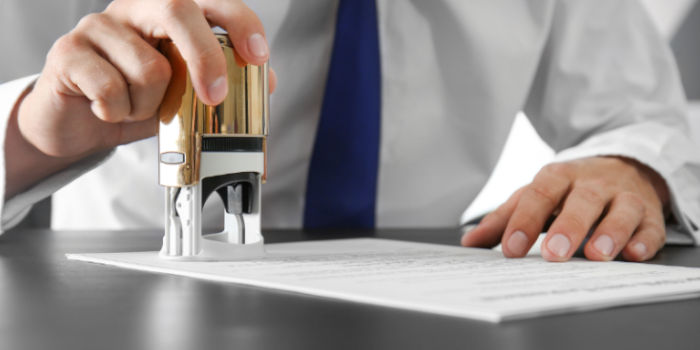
220	149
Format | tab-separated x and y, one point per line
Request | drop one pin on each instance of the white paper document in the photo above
464	282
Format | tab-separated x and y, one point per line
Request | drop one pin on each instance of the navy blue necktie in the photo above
342	182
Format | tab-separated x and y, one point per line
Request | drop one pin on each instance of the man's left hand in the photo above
620	200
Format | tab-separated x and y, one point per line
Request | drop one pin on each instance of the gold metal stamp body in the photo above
184	119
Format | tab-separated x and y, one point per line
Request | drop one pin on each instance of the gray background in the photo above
686	46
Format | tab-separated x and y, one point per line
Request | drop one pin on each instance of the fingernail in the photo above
640	250
218	89
517	243
258	45
559	245
604	244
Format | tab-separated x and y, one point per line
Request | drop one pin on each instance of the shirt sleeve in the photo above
607	84
13	210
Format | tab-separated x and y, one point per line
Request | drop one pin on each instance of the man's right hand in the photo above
102	82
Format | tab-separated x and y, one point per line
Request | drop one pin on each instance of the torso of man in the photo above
454	74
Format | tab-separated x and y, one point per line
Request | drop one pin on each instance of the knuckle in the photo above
206	57
589	193
108	114
64	46
558	169
619	229
111	89
600	184
155	70
572	223
654	227
632	200
118	5
626	167
93	20
61	58
176	9
543	193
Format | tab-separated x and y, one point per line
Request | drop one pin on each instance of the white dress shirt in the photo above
594	77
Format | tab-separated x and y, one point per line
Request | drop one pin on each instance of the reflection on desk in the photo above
50	303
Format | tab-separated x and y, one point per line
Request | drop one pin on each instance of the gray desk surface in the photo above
48	302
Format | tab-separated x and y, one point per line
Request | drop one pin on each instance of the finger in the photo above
538	202
243	27
621	221
582	209
88	74
182	21
146	71
649	238
131	132
273	80
490	229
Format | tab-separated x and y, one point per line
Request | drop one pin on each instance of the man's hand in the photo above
621	200
102	83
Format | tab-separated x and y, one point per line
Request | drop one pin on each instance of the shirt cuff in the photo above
17	207
666	150
10	94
